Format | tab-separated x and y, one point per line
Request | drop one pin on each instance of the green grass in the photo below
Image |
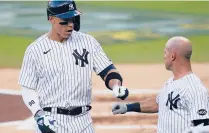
12	51
152	51
192	7
12	48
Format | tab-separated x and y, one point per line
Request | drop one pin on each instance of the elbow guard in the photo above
112	75
106	70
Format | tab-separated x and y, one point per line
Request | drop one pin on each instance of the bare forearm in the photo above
114	82
149	105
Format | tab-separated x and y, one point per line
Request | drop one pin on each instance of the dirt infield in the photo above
144	78
135	76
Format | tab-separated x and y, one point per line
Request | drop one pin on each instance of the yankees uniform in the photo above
57	70
181	103
61	74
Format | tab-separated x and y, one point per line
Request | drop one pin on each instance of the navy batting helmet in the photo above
64	10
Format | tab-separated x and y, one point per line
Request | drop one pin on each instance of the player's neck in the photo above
55	37
181	70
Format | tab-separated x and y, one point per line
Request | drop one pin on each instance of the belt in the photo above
75	111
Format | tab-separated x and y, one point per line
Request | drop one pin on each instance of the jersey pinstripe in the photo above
180	102
61	72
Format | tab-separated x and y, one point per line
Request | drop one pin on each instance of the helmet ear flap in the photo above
77	23
47	13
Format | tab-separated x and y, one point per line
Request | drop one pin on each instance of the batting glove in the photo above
120	92
119	108
46	124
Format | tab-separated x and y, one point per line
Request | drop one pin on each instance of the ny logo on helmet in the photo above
83	58
71	7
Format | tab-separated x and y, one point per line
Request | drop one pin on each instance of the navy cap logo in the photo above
71	7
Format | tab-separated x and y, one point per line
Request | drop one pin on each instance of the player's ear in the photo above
173	56
51	19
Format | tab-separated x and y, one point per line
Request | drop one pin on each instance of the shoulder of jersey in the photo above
79	34
38	40
196	83
34	43
169	80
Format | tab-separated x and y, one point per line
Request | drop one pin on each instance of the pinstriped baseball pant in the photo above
72	124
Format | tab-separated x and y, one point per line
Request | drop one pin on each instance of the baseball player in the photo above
183	101
56	74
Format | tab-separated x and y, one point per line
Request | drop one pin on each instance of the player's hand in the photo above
120	92
46	124
119	108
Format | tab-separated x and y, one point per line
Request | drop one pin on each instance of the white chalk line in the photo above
10	92
12	123
29	124
133	91
126	126
94	91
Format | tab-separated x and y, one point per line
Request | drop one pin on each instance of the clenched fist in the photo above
120	92
119	108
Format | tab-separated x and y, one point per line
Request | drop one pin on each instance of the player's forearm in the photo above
114	82
147	106
30	99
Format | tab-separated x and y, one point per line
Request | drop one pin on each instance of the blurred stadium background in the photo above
133	35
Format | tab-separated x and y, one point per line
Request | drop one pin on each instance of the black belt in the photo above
75	111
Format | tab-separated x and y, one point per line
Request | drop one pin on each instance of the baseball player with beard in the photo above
56	74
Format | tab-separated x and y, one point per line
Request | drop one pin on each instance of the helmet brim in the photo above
69	14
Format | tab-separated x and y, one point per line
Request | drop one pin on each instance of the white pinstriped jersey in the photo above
181	101
61	73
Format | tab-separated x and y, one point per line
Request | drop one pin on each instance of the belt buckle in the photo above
78	110
75	111
53	110
68	113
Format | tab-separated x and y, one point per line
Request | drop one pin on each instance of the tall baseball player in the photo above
56	73
183	101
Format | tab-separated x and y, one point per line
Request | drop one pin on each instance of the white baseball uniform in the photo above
180	102
61	74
